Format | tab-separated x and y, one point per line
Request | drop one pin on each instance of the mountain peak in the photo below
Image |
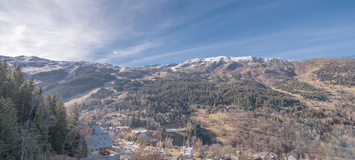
34	64
37	64
214	62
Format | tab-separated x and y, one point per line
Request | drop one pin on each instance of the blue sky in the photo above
134	33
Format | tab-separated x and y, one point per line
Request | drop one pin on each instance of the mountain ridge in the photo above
62	76
26	62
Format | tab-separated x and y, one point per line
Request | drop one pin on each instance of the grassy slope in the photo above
82	97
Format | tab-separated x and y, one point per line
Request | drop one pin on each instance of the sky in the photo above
135	33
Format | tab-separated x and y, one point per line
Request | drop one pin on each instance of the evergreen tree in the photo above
30	125
162	134
59	131
74	126
24	97
8	130
52	103
41	132
74	117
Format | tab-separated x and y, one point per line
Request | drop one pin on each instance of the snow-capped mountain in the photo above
33	64
214	62
60	76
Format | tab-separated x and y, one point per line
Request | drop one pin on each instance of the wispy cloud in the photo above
52	29
154	57
136	49
130	51
68	30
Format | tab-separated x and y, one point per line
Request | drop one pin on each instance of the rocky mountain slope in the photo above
48	73
331	75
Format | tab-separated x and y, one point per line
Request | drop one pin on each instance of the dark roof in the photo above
258	159
146	134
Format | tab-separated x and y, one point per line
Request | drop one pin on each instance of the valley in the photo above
248	103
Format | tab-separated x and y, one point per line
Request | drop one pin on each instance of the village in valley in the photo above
110	140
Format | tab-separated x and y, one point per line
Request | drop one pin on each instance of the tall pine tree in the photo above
59	131
41	132
74	117
9	141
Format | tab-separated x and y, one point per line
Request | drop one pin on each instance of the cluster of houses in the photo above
115	122
115	131
140	132
268	155
272	156
99	138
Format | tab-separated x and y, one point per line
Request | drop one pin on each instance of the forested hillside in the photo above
334	73
51	76
304	89
284	107
33	126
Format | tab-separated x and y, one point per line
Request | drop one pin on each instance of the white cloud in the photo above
51	29
137	49
66	29
130	51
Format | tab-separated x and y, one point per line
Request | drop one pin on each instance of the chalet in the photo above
291	157
271	156
187	152
239	152
239	155
125	129
146	137
114	132
97	141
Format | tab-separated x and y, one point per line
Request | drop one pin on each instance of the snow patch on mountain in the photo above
223	60
33	64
